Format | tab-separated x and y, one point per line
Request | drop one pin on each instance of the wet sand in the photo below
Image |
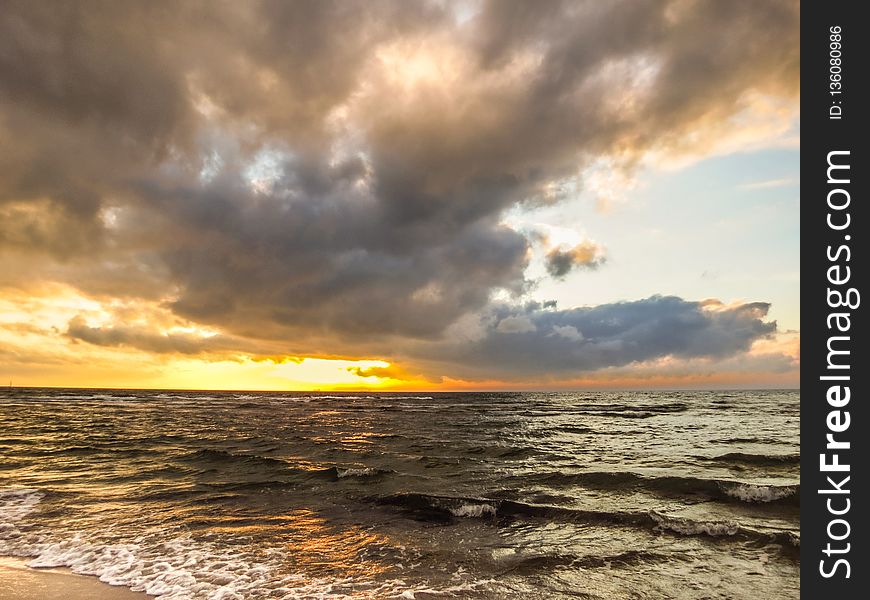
20	582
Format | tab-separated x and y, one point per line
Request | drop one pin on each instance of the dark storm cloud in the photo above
325	262
391	139
542	341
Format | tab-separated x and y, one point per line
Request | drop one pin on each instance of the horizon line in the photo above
415	391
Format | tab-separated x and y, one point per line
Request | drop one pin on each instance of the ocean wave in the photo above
176	569
766	460
748	492
788	540
629	557
512	452
342	473
676	485
547	562
209	455
444	509
473	509
685	526
113	449
751	440
279	473
638	410
574	429
73	450
182	567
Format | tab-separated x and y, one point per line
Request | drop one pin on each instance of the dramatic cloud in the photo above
332	177
553	341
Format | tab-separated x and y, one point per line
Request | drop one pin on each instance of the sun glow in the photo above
331	372
42	343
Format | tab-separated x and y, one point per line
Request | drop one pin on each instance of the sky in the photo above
400	195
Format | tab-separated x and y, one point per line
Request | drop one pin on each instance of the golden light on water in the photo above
317	545
314	545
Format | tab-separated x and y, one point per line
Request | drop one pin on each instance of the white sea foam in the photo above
183	569
356	472
473	510
690	527
16	503
749	492
174	568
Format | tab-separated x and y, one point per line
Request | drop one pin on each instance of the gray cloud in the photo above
579	340
586	255
129	135
145	339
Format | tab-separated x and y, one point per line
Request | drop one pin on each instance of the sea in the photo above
230	495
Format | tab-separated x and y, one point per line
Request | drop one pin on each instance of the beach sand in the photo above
20	582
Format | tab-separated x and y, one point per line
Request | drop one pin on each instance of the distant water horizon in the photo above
387	391
374	494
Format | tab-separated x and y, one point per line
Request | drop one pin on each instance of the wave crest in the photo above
445	509
675	485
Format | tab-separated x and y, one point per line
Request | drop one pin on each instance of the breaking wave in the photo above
444	509
674	485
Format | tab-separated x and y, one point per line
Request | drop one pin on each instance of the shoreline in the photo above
21	582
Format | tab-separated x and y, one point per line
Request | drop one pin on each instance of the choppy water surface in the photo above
509	495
